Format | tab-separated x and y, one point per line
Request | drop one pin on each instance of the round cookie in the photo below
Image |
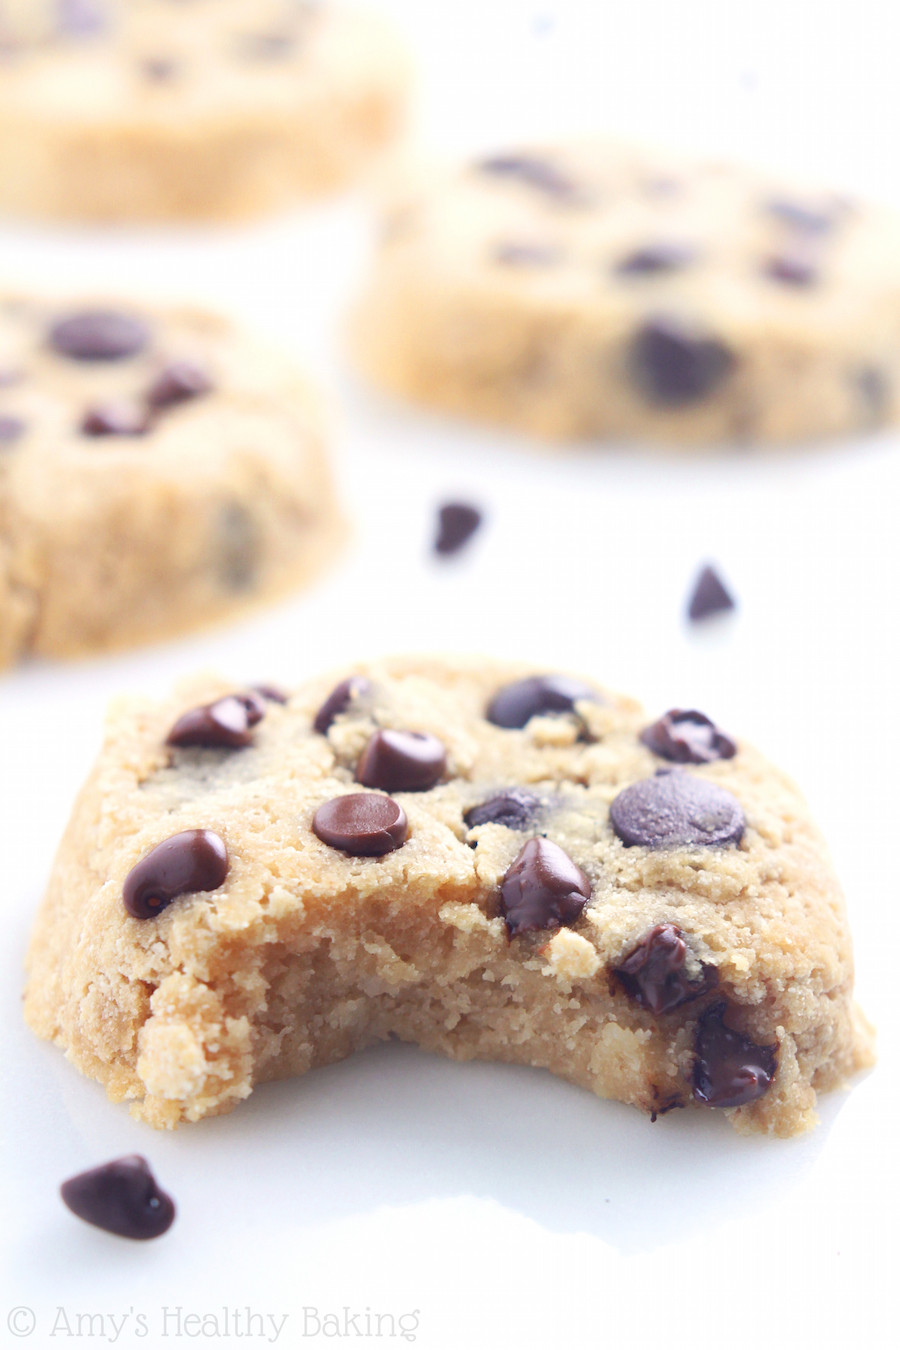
594	290
158	472
213	109
254	883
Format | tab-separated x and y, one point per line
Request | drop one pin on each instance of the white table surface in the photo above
487	1205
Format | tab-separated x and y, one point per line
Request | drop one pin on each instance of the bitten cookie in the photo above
591	290
215	109
158	472
485	861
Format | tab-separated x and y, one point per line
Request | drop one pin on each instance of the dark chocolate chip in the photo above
708	596
99	335
515	254
270	692
542	889
676	810
800	217
673	364
267	46
515	704
457	522
401	761
158	69
688	737
339	700
513	808
656	258
194	860
121	1197
653	971
363	824
81	18
177	383
538	173
730	1069
227	722
238	547
791	269
11	430
874	388
122	418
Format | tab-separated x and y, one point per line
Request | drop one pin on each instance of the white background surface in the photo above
507	1208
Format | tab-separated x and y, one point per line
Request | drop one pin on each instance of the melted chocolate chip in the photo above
708	596
688	737
676	810
339	700
81	18
457	522
363	824
791	269
122	418
121	1197
515	254
177	383
267	46
227	722
673	365
513	808
11	430
401	761
195	860
515	704
158	69
653	971
538	173
800	217
542	889
655	258
729	1069
99	335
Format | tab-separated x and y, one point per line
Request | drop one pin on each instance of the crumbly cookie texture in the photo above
151	110
596	290
444	851
158	472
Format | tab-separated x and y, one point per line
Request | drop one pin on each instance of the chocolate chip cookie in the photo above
158	472
487	861
154	110
594	290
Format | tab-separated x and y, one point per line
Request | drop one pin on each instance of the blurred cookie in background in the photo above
158	473
151	110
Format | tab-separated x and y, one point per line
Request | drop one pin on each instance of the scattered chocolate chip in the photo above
80	18
122	418
266	46
653	971
688	737
457	522
122	1197
791	269
676	810
401	761
99	335
270	692
158	69
800	217
194	860
238	546
339	700
729	1069
363	824
177	383
515	254
513	808
874	388
672	364
11	430
536	172
656	258
542	889
515	704
227	722
708	596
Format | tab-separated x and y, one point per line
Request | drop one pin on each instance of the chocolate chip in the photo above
688	737
542	889
238	547
158	69
515	704
673	364
227	722
122	418
676	810
177	383
339	700
80	18
266	46
874	388
99	335
656	258
401	761
271	693
121	1197
708	596
730	1069
653	971
457	522
537	173
194	860
800	217
363	824
11	430
513	808
514	254
792	269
